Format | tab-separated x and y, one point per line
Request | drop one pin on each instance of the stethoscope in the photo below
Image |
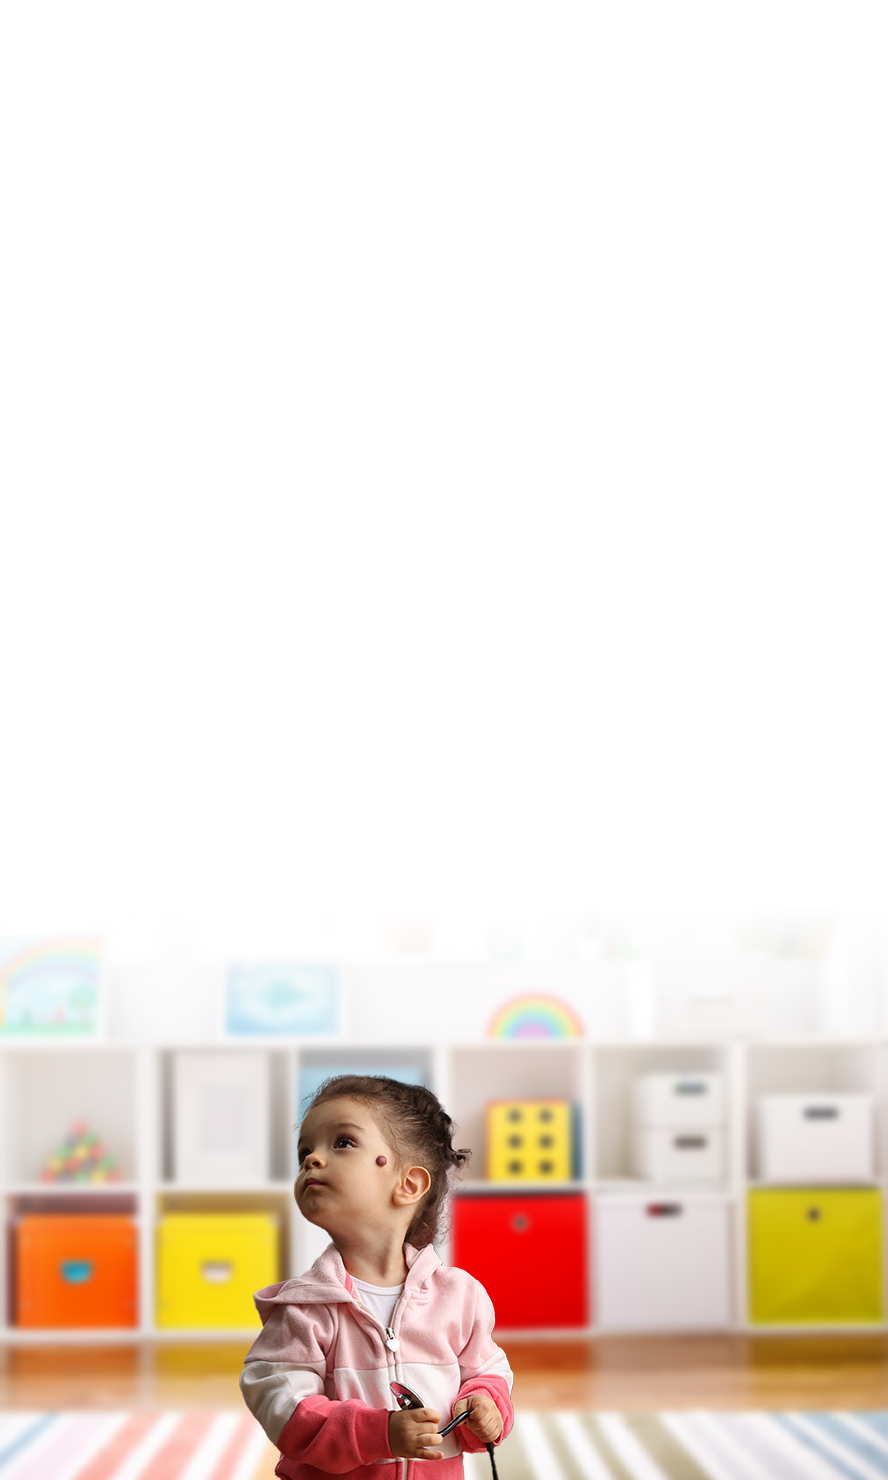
407	1398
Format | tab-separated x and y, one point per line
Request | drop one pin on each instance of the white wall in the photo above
444	466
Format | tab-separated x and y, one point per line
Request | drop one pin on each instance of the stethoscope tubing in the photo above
454	1423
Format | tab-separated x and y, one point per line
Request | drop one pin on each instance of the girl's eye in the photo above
344	1141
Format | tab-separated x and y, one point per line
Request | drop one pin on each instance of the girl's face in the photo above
340	1184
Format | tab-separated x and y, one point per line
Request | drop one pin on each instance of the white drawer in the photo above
688	1099
662	1265
680	1154
815	1138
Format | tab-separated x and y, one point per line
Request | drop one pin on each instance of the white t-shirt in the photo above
378	1299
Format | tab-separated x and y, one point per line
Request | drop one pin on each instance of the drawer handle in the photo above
77	1271
813	1215
520	1222
690	1143
664	1210
217	1271
690	1087
821	1112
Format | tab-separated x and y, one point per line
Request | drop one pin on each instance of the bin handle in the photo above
76	1271
664	1210
217	1271
821	1112
690	1143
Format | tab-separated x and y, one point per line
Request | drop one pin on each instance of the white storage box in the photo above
694	1154
719	998
678	1100
815	1138
220	1118
662	1266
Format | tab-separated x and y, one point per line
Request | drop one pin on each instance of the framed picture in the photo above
50	987
313	1074
274	1001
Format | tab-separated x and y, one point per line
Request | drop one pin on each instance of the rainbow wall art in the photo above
50	987
535	1016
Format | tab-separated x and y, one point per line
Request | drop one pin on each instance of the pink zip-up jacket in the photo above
317	1377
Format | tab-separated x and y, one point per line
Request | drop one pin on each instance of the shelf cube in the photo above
529	1141
530	1253
815	1138
221	1118
815	1256
210	1264
696	1155
666	1101
662	1265
75	1269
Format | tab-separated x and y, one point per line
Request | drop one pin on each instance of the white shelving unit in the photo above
125	1092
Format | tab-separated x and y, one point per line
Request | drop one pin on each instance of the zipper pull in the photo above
392	1341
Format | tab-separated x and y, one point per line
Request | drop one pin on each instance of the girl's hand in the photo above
413	1433
485	1419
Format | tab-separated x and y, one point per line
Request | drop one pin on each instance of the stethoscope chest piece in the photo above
407	1398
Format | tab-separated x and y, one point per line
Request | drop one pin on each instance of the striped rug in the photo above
691	1446
217	1444
228	1445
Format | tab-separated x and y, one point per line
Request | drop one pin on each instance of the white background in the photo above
443	465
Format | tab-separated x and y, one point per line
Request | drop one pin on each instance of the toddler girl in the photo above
377	1307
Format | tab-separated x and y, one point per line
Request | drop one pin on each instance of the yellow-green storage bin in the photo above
209	1265
815	1255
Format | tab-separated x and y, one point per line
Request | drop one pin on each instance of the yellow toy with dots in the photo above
529	1141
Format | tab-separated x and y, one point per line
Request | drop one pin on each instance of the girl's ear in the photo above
414	1184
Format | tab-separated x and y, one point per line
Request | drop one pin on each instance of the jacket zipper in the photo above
394	1348
390	1336
393	1345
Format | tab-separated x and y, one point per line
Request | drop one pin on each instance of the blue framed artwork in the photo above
312	1076
282	1001
50	987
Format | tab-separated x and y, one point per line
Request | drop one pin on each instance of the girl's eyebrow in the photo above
344	1125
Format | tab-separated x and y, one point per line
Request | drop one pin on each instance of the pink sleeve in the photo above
484	1368
496	1388
335	1437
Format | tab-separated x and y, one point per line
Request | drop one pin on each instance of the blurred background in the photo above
442	527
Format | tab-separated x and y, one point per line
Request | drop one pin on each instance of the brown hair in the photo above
420	1131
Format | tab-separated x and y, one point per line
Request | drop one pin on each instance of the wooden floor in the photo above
615	1373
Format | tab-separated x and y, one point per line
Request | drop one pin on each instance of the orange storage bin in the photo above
75	1269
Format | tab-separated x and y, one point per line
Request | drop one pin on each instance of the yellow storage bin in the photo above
815	1255
209	1265
529	1141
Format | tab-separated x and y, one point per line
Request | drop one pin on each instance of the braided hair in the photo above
420	1131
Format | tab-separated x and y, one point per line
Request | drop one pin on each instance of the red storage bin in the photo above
530	1254
75	1269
